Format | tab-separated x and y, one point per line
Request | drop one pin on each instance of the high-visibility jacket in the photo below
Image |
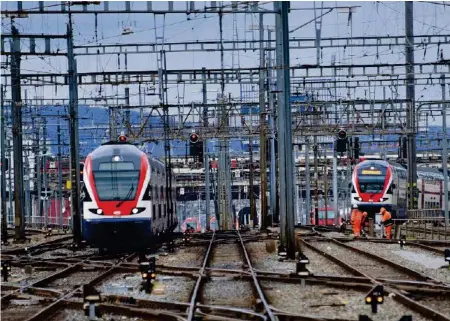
356	215
386	218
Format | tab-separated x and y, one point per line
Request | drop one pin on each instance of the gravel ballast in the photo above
268	262
318	301
19	277
74	280
22	311
191	256
226	256
364	264
175	289
227	292
411	257
76	315
320	265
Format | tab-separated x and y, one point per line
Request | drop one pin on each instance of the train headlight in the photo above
360	199
99	211
137	210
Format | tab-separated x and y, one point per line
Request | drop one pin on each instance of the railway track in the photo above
214	276
414	294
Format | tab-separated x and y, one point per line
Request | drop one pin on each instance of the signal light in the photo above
282	253
301	269
341	142
375	297
402	241
148	272
342	134
5	267
193	138
122	138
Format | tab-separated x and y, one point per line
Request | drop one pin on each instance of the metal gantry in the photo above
362	98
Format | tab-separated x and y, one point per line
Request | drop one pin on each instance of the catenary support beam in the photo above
410	105
74	138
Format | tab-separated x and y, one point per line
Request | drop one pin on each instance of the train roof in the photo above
421	171
118	149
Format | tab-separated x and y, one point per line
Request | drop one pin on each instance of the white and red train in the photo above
377	183
126	201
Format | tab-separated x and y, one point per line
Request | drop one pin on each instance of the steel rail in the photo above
400	297
26	250
192	304
256	282
41	315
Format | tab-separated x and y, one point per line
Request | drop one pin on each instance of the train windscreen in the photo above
192	225
330	214
371	178
116	181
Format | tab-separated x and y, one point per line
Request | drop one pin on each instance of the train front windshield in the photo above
116	181
191	225
330	215
371	178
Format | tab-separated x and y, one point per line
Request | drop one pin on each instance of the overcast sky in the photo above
370	19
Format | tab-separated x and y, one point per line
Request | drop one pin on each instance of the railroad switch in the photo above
375	297
447	256
91	300
148	273
402	241
301	269
282	253
6	268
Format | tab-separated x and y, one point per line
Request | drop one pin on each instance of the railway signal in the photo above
148	273
122	138
375	297
301	269
193	138
91	300
402	241
342	141
6	268
282	253
196	147
356	148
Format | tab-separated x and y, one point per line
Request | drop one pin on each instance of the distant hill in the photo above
94	129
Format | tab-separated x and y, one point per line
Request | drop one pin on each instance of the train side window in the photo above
162	193
154	211
159	210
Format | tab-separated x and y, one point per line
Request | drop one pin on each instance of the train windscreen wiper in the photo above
126	197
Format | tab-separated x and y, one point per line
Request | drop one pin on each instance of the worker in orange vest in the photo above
386	220
356	221
363	222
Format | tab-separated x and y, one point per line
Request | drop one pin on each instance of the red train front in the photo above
125	200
